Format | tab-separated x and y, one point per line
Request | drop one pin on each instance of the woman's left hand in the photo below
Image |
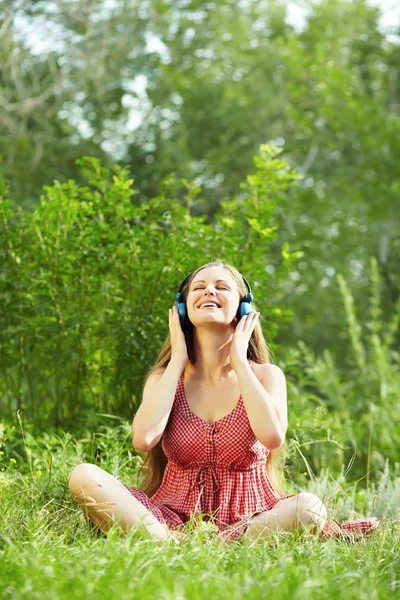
241	338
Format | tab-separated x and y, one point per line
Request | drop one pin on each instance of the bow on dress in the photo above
208	483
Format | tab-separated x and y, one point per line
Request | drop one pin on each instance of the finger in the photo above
247	318
251	320
177	317
254	321
241	322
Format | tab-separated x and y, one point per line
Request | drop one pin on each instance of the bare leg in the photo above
303	511
107	502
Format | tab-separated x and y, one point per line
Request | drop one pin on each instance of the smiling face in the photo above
213	296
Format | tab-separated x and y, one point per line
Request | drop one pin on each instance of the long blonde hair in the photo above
155	460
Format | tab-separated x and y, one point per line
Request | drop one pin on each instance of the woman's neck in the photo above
212	356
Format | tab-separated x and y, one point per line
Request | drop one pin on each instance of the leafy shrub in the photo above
90	275
335	413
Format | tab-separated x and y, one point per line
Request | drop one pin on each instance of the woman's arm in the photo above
153	413
265	402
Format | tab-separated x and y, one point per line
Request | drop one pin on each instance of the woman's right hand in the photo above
178	343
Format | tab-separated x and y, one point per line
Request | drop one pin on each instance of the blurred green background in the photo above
141	139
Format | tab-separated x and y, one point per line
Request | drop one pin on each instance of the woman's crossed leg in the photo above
302	512
107	502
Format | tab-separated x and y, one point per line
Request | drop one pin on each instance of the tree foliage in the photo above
221	79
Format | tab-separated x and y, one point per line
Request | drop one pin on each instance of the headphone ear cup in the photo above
244	309
245	306
181	308
182	312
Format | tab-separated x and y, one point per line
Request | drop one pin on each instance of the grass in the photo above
46	549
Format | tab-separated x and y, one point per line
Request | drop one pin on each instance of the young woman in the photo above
212	423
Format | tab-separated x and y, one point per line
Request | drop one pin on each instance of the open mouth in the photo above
209	306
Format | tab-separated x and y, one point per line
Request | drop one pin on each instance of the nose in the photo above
207	290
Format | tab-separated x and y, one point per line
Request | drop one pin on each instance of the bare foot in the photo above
177	536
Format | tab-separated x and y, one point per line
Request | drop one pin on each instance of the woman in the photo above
208	453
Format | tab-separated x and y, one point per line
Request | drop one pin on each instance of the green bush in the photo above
89	275
348	416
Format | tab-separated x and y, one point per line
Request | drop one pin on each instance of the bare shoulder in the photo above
267	370
155	374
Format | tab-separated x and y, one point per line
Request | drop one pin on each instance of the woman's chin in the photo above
209	320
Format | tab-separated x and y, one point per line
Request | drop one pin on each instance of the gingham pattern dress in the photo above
217	470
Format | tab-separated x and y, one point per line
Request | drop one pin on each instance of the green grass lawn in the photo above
47	551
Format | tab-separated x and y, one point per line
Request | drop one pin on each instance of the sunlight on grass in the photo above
46	545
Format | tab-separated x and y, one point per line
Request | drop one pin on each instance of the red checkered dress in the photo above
218	470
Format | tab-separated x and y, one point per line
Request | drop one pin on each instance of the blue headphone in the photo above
245	306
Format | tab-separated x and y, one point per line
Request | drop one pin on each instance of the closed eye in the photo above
221	288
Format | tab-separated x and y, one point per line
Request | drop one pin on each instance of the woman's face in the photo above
217	286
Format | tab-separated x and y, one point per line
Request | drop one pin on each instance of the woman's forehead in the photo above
214	274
